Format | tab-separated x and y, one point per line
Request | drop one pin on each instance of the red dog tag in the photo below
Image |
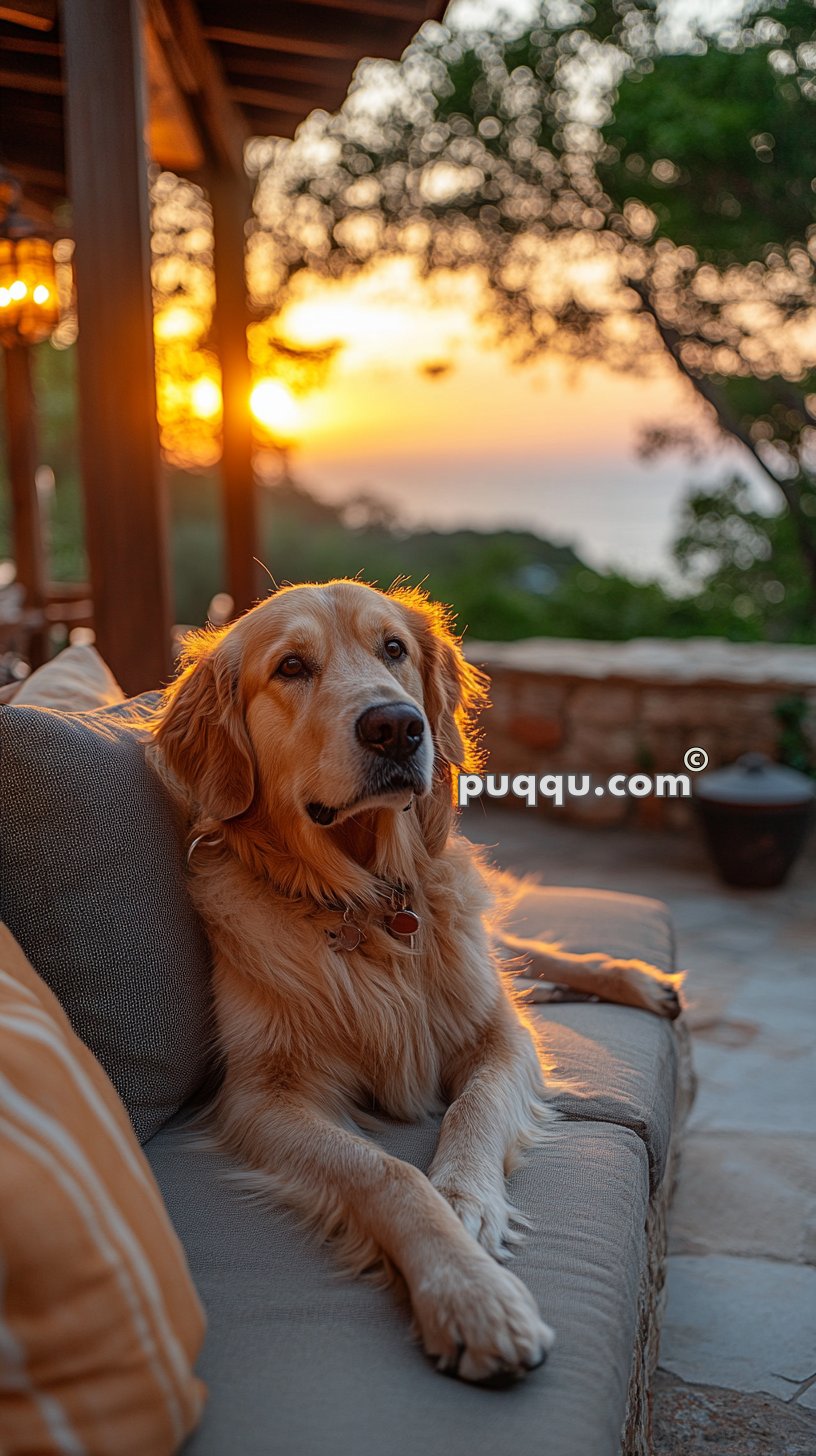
403	922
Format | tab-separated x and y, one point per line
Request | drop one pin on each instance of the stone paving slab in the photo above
764	1080
744	1324
751	1196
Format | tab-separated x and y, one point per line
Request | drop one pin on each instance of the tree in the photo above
623	193
744	566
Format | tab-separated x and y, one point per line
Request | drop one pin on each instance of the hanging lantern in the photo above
29	307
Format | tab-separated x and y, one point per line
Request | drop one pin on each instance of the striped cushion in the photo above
99	1319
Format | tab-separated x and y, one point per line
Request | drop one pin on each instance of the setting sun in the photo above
274	407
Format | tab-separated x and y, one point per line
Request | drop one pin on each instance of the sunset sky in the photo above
487	442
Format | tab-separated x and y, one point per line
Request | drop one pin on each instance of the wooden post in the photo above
27	535
230	198
125	505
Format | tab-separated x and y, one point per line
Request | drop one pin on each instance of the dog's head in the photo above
321	704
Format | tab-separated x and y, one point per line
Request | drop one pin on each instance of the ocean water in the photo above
617	513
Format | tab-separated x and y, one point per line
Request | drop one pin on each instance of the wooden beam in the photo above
273	123
36	14
258	16
125	506
42	112
39	180
334	42
34	156
405	10
172	133
277	66
32	81
197	71
263	98
28	45
23	459
230	197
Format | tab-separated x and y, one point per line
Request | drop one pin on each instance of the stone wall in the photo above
607	707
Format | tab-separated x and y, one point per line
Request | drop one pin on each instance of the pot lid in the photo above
754	779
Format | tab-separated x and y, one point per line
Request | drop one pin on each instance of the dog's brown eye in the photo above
395	649
291	667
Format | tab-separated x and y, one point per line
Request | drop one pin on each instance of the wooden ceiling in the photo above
218	73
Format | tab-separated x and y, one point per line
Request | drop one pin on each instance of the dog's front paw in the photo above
487	1215
479	1322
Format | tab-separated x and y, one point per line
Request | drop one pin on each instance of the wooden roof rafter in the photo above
218	73
35	14
198	74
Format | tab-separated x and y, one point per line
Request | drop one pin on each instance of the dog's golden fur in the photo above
317	1040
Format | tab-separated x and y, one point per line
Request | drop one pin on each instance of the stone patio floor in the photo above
738	1351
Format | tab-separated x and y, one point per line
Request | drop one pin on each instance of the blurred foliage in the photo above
721	146
745	565
304	538
510	584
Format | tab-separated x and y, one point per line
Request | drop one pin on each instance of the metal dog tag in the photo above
348	936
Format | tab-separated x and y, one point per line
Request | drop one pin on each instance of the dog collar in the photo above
401	921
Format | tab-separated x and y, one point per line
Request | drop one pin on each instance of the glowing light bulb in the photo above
18	290
41	294
5	298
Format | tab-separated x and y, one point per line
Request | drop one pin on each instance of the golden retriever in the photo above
314	744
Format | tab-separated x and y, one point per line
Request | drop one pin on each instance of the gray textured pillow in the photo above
92	886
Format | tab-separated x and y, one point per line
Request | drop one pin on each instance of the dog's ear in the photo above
201	732
454	694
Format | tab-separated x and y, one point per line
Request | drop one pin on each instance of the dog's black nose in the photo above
392	729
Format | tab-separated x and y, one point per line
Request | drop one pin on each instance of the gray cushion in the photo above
302	1362
92	886
618	1065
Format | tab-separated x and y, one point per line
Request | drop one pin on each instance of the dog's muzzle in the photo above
393	735
393	730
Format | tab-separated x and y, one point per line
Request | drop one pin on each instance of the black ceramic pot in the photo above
755	815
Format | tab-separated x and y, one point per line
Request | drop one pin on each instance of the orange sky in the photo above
486	443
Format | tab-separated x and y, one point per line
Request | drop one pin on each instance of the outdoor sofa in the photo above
299	1360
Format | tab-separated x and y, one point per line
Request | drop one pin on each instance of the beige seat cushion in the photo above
74	682
347	1376
99	1321
302	1362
